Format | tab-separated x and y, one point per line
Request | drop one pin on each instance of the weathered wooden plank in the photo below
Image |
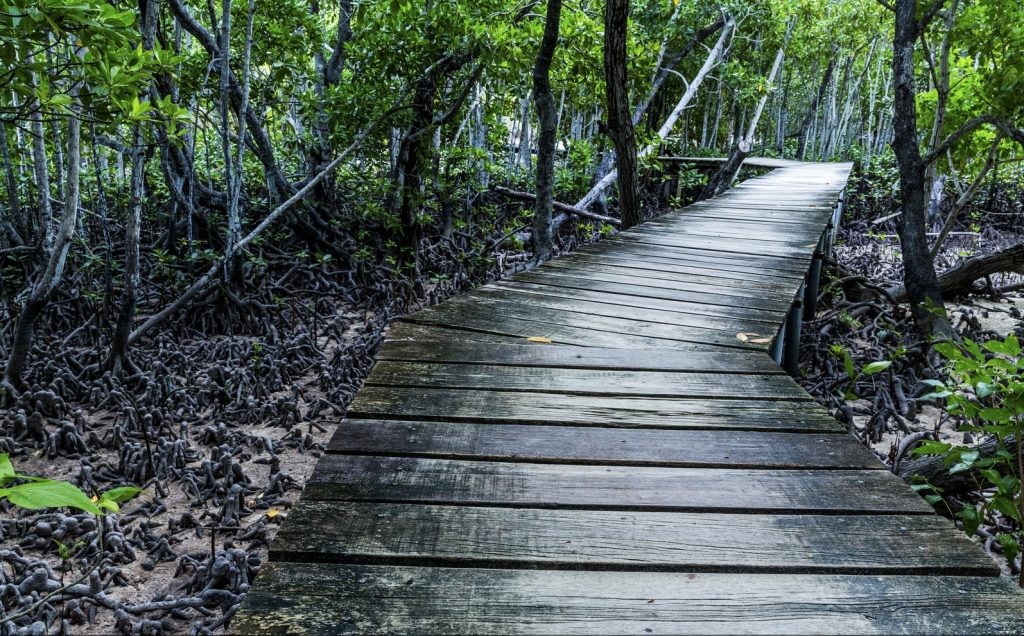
680	266
518	328
780	217
514	318
679	448
619	411
521	485
346	599
707	279
627	285
738	228
737	246
674	384
468	536
409	331
544	355
753	261
679	283
651	309
794	212
768	235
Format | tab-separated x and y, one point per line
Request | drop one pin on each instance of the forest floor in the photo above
224	431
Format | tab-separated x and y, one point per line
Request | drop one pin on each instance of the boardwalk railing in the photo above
604	445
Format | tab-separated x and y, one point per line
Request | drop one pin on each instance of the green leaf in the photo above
108	505
1006	506
966	462
995	414
120	495
876	367
851	372
37	495
6	469
947	350
971	519
1010	546
984	389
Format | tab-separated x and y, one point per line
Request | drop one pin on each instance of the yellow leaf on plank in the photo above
541	339
273	512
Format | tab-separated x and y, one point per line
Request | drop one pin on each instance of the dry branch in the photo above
558	205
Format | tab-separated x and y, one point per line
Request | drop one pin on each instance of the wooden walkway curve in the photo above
650	471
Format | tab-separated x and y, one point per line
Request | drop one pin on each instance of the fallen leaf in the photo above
273	512
539	339
742	337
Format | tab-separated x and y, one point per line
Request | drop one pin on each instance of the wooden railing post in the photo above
791	337
824	248
814	278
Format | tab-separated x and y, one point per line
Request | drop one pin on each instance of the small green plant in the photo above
986	388
872	368
36	493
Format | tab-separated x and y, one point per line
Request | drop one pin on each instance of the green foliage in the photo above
36	493
841	353
986	389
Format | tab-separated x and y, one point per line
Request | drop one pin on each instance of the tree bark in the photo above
919	277
130	290
13	226
620	123
547	133
57	243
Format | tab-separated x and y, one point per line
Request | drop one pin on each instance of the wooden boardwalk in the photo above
650	471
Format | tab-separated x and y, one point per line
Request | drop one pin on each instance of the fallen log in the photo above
558	205
961	278
933	469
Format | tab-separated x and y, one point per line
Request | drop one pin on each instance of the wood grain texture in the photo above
467	536
711	258
545	355
640	302
641	287
681	266
443	481
526	299
618	411
704	278
507	317
798	252
600	445
598	382
343	599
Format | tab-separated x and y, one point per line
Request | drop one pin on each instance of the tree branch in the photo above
1009	131
564	207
